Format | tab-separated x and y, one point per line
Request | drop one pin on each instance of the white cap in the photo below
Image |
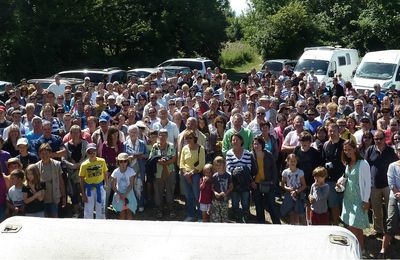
23	141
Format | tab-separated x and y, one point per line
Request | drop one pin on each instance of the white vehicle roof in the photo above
45	238
388	56
322	53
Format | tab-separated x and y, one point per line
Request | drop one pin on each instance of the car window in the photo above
118	76
342	60
348	60
191	64
210	64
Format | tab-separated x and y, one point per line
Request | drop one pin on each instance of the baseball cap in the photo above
91	146
199	94
22	141
110	97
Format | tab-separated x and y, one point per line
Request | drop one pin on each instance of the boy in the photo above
221	187
93	175
319	197
15	197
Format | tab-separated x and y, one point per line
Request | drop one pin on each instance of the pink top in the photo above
206	193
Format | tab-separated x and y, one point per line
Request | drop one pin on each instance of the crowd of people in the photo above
293	146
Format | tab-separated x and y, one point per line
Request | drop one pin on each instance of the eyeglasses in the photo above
171	104
60	112
310	114
260	114
378	138
146	122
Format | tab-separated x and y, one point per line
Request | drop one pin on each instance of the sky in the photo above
238	6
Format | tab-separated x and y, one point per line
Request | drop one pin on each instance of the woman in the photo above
192	161
217	136
178	120
92	124
111	148
10	145
75	155
51	174
202	125
227	107
351	125
395	138
47	113
270	141
240	164
357	191
267	176
137	152
321	136
367	140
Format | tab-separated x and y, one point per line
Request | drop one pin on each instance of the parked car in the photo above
201	64
97	75
276	66
172	71
382	67
326	61
142	73
45	83
3	85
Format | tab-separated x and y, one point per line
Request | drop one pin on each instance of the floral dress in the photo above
353	213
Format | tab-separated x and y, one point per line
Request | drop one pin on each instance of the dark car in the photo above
276	66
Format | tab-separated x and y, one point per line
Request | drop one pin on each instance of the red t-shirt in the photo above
206	193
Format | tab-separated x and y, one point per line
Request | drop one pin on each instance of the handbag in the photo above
341	183
198	158
265	187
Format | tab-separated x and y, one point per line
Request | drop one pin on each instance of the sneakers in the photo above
188	219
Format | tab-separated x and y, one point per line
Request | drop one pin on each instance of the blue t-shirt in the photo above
221	182
54	141
312	126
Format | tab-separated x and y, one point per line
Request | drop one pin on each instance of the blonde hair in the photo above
209	167
320	172
290	157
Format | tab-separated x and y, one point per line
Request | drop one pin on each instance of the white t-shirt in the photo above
123	178
57	89
293	178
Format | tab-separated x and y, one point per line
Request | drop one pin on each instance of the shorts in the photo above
51	209
335	198
205	207
392	222
319	218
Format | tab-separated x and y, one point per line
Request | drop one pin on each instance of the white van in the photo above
378	67
326	61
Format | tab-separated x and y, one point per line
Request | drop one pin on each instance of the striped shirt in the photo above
232	161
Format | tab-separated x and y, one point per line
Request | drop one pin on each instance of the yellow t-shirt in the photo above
93	171
260	174
190	157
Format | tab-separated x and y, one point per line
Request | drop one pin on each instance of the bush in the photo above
237	53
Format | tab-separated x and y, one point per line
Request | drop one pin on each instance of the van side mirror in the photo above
331	74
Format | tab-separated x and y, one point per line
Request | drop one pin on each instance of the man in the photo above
25	157
322	111
366	126
331	157
237	123
55	142
93	175
153	103
377	92
254	125
337	89
214	105
36	133
270	113
112	109
100	135
343	108
292	138
343	131
57	87
16	120
190	125
379	156
358	111
4	123
301	107
165	173
311	124
164	123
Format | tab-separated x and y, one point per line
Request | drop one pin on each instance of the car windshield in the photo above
373	70
320	67
274	66
94	77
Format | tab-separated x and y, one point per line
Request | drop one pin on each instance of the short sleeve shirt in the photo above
93	172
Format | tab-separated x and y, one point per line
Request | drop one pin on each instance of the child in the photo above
221	187
206	192
293	183
319	197
15	198
33	192
123	180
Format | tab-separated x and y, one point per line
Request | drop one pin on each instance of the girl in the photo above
33	192
293	183
206	193
123	180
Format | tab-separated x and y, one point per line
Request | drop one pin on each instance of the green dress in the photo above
353	213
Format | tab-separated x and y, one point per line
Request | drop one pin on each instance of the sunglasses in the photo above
378	138
260	114
124	161
126	104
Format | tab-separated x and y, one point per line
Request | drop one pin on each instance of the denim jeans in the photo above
192	194
243	198
265	201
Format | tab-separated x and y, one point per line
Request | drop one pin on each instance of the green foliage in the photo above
237	53
39	38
